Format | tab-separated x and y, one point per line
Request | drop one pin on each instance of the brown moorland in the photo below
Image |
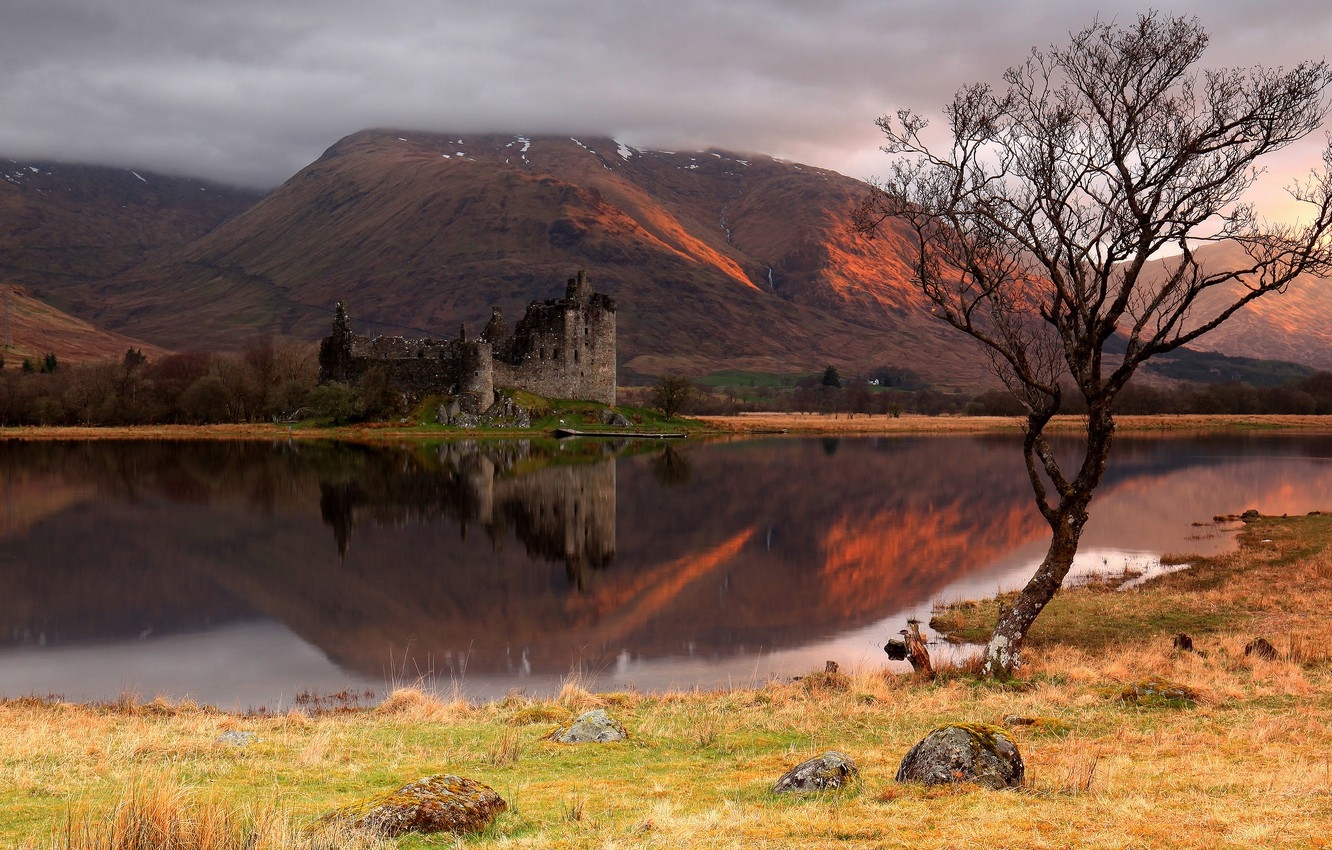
700	426
65	226
714	257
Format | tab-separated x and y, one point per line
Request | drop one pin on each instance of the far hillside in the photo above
718	259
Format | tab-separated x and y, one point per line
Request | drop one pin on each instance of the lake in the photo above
245	574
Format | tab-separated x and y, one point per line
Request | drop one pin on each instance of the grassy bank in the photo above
548	415
1248	765
849	424
750	423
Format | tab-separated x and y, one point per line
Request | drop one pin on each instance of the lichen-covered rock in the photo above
1156	691
439	803
964	752
233	738
828	771
590	727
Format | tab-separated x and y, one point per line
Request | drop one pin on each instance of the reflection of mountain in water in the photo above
111	540
520	560
563	513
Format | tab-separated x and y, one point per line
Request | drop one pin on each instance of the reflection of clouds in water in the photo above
240	666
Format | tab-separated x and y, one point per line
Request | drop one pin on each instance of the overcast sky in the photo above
249	91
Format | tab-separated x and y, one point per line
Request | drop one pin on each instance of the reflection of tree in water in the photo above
672	468
562	512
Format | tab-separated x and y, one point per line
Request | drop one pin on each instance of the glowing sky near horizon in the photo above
250	91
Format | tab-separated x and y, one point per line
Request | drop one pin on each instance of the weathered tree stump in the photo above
916	651
1260	648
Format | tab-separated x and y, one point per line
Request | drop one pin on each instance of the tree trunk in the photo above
1003	654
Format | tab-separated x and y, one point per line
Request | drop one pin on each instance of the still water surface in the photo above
242	574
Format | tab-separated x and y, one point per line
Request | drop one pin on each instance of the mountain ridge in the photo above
717	259
431	232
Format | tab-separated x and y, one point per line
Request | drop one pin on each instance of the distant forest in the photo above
276	380
1307	395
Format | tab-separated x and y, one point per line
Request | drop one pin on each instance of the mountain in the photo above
1292	325
64	228
716	259
31	328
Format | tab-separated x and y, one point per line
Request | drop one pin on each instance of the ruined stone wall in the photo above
562	348
415	368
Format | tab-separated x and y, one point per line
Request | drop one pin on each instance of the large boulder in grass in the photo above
827	772
439	803
964	752
590	727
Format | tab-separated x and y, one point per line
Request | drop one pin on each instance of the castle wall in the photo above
416	368
562	348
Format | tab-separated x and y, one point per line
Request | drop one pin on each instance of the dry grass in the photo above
1249	765
158	814
748	423
862	423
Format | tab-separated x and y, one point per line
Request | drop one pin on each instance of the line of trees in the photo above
272	378
275	379
1311	395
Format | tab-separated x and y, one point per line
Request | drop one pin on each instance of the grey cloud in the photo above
249	91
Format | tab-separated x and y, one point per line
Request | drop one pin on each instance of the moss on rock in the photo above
1046	725
1156	691
590	727
439	803
964	752
829	771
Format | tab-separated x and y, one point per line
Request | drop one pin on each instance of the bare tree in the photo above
672	393
1035	223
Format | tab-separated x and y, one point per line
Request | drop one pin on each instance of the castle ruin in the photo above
561	348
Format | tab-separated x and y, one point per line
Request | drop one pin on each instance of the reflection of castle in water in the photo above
564	513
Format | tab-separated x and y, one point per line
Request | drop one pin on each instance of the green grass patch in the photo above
738	379
1090	619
